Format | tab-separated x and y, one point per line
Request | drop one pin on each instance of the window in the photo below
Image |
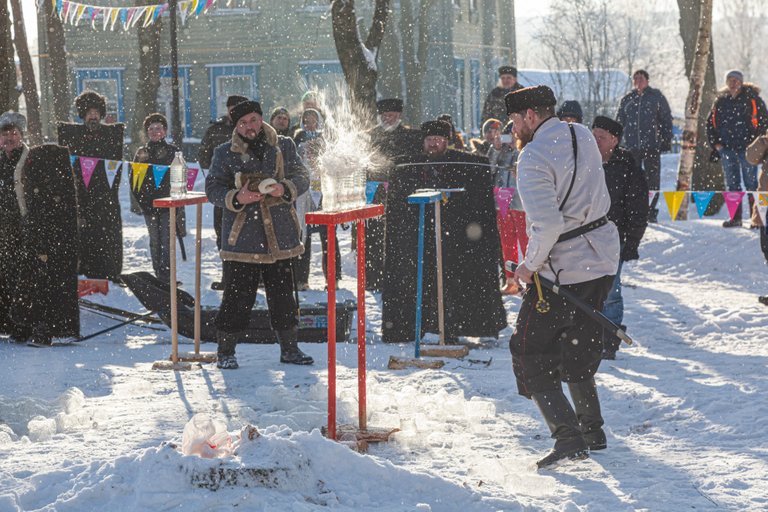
229	79
109	83
324	76
165	97
458	114
474	94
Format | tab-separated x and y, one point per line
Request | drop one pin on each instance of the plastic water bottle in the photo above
178	177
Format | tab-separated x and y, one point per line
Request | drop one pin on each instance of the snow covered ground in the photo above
91	426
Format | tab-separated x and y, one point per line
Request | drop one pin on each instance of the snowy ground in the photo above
91	427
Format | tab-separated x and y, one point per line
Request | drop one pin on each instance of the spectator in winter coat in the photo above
219	132
738	116
491	131
561	182
570	112
494	108
155	184
260	230
647	120
757	153
281	121
456	141
629	211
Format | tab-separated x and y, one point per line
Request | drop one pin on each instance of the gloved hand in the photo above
629	253
714	156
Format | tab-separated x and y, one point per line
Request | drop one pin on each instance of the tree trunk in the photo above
693	103
57	67
358	59
149	76
488	22
390	83
29	84
507	38
9	99
415	38
705	175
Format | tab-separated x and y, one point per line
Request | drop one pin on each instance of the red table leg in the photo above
361	324
331	236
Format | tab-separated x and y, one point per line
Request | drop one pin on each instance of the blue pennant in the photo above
73	159
370	190
702	200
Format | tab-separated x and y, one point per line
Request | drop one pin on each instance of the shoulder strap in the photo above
575	165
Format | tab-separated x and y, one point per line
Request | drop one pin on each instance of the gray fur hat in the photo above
14	119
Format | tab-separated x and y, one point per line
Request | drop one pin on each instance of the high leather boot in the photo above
226	351
562	422
289	348
735	221
587	405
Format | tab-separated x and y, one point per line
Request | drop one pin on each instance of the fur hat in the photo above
235	99
244	108
438	128
156	117
12	119
615	128
571	108
389	105
529	97
88	100
508	70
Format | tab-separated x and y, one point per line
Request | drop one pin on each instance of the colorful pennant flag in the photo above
370	190
674	202
762	206
158	173
192	171
702	200
732	201
139	173
73	159
87	166
112	167
504	196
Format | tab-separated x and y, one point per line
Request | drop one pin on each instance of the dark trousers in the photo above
241	282
218	213
649	160
764	241
303	260
158	221
561	345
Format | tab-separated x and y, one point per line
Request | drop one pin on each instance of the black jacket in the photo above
219	132
156	153
494	106
647	120
736	122
629	201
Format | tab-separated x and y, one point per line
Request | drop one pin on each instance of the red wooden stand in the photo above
331	220
196	198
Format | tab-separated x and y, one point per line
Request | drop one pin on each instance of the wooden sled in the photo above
401	363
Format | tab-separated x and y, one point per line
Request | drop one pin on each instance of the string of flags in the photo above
138	171
675	199
128	17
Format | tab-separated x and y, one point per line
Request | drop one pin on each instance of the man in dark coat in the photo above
101	226
737	118
470	244
45	302
392	139
647	120
629	211
494	108
219	132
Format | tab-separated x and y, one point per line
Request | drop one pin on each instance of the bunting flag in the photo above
159	172
762	206
370	190
73	12
87	166
111	167
651	194
702	200
504	196
73	159
674	202
732	201
192	170
139	173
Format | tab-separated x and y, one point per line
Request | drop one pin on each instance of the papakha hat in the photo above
437	127
529	97
613	127
88	100
389	105
244	108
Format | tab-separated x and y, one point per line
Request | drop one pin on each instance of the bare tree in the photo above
706	175
358	58
693	102
57	66
149	74
744	30
8	96
415	40
28	82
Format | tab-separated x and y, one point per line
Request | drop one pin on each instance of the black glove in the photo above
714	156
629	253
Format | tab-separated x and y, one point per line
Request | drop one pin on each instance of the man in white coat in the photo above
562	186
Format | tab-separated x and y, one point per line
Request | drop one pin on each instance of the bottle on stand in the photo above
178	177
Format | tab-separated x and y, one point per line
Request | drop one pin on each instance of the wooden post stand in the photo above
331	220
184	361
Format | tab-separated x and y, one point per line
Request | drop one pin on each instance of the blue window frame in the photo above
322	75
474	84
458	114
229	79
107	82
165	97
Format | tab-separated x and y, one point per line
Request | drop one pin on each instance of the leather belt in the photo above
586	228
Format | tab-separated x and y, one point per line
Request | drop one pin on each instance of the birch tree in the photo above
8	96
28	82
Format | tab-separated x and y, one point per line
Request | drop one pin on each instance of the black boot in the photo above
226	352
289	348
562	422
587	405
735	221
